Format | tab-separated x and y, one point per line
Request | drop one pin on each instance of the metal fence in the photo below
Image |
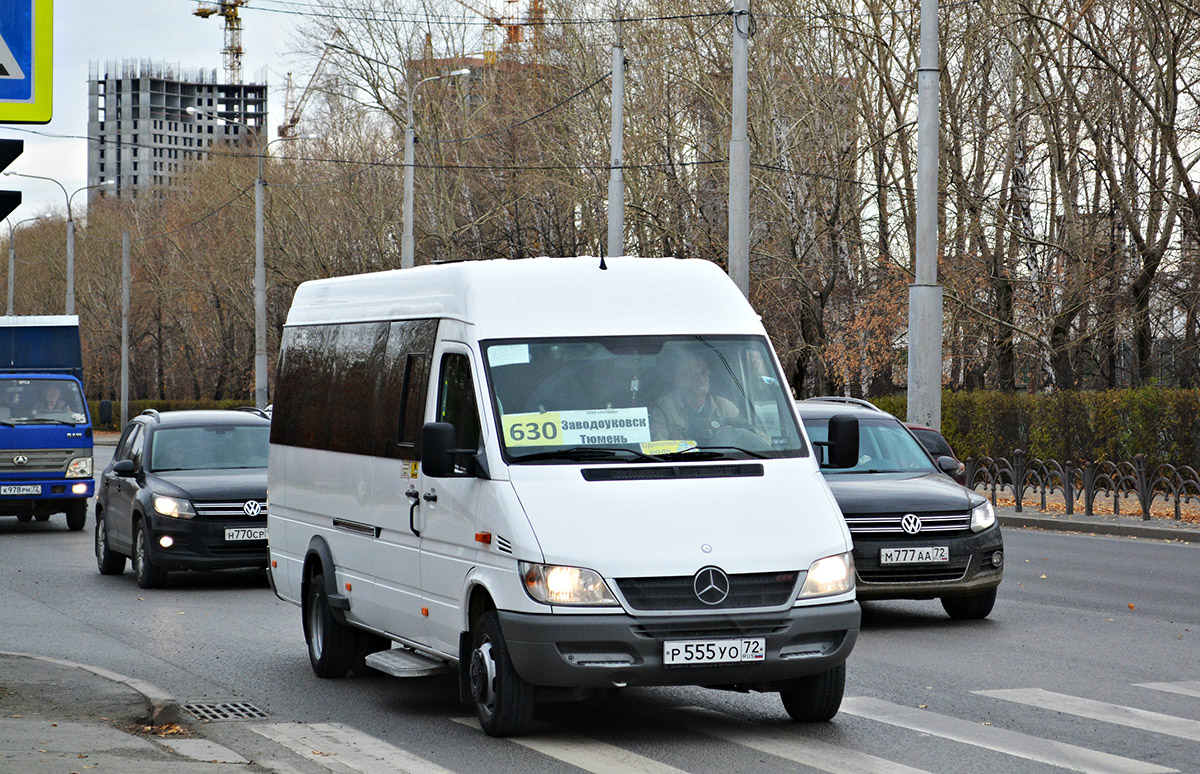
1082	483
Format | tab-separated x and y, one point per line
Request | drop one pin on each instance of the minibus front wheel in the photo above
503	701
816	698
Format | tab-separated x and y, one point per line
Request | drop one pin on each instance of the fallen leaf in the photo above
922	706
987	723
1131	606
1043	577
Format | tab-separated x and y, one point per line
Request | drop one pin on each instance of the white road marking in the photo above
1186	687
1143	720
342	749
1061	754
583	752
789	744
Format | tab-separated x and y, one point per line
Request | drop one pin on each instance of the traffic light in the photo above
9	150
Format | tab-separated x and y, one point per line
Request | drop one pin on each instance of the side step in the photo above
402	662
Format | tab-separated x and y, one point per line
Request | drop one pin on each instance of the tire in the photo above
148	576
42	517
503	701
367	644
24	518
332	647
970	608
108	562
816	698
77	515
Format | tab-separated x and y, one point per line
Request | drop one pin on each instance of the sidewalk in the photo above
1123	525
57	717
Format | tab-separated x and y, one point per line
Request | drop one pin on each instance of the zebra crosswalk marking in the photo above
1186	687
790	744
1143	720
584	752
1015	743
343	750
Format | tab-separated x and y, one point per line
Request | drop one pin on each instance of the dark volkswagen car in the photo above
186	490
917	533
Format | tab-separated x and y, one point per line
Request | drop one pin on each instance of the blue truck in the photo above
45	427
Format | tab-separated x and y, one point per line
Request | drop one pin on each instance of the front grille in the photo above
889	523
233	509
37	460
716	628
764	589
870	571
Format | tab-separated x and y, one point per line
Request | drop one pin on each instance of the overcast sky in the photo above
158	30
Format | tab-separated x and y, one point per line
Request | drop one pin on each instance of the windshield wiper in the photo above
586	453
49	421
710	453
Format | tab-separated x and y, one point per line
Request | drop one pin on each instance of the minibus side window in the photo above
456	400
402	389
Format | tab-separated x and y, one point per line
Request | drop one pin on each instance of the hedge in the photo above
1161	423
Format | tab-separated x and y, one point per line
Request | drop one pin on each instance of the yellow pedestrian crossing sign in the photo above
26	61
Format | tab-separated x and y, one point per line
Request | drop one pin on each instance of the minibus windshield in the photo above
639	399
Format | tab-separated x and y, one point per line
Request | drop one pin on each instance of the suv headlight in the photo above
174	507
80	467
982	516
553	584
828	576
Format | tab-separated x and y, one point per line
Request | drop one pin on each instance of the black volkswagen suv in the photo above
917	533
186	490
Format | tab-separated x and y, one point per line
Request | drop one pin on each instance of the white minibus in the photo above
555	477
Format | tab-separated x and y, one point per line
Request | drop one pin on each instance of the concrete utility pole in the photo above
739	153
616	175
124	329
925	295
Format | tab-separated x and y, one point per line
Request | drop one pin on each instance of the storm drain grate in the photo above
229	710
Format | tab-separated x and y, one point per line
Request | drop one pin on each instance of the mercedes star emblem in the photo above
911	523
711	585
252	508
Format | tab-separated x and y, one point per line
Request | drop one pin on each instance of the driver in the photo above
52	399
689	411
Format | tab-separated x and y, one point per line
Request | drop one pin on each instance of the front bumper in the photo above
200	544
596	651
969	571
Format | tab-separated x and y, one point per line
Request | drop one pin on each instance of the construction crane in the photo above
228	9
514	30
294	108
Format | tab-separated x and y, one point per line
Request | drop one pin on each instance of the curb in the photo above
162	708
1138	530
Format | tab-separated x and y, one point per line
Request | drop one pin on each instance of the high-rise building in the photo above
140	133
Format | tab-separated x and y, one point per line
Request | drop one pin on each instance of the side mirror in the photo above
124	468
106	415
843	441
438	454
949	465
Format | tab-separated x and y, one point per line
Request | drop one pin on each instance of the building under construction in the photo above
140	133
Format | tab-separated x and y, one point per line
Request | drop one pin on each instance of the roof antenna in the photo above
603	267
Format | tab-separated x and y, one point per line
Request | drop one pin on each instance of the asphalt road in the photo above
1090	662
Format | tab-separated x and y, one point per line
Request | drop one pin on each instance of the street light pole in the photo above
739	153
407	246
12	256
70	302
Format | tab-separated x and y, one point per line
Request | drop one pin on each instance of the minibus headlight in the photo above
831	575
553	584
982	516
80	467
175	507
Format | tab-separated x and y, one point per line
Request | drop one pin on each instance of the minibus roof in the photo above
540	297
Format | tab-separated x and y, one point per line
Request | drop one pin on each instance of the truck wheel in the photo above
24	518
76	515
148	576
332	647
503	701
970	608
109	562
42	516
815	698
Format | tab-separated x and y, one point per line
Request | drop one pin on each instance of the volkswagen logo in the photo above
911	523
20	459
252	508
711	585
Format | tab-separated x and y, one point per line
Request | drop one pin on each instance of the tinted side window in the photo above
136	444
456	400
403	390
122	451
302	387
357	360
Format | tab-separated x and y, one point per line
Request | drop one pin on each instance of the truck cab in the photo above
45	426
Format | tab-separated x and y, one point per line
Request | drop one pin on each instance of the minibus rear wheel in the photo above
331	646
503	701
815	698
